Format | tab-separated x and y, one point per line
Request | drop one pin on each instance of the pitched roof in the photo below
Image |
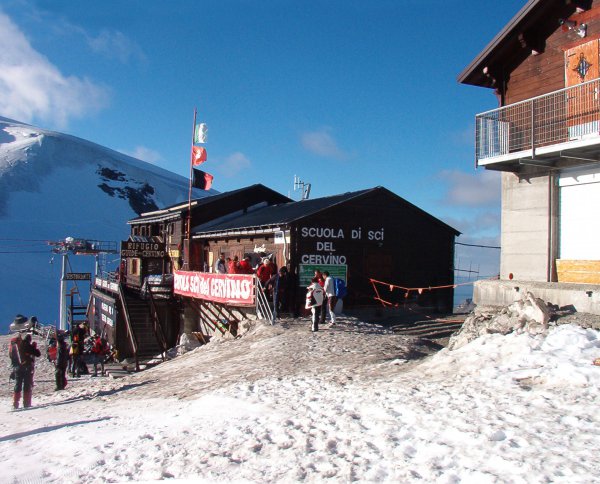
507	42
268	218
175	211
275	215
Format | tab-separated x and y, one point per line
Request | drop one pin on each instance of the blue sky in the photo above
345	94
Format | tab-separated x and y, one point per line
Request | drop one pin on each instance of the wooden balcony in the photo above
561	128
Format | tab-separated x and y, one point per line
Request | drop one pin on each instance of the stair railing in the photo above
158	331
128	326
263	309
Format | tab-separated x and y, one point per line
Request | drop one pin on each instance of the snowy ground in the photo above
346	404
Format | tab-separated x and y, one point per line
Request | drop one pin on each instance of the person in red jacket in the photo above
233	266
99	352
245	266
321	281
265	271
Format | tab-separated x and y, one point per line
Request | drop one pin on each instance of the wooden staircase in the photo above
144	329
430	329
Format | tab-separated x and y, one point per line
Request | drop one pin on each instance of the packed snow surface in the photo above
345	404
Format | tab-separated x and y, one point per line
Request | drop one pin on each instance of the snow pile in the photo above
282	404
530	315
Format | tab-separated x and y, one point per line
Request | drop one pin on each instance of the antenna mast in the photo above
300	185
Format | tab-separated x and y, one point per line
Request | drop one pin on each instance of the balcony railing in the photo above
569	115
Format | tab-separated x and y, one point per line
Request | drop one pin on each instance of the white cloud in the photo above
472	190
323	144
487	222
144	154
234	164
115	45
31	87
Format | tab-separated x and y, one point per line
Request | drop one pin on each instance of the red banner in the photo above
235	289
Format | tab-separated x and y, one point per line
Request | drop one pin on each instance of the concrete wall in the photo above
526	234
584	298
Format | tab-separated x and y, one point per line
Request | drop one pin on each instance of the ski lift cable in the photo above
23	251
477	245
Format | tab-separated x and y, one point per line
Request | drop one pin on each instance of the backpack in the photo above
340	288
314	297
13	353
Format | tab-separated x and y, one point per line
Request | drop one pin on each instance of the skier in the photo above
61	363
99	351
22	355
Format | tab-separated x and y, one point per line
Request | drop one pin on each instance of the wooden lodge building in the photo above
542	133
359	236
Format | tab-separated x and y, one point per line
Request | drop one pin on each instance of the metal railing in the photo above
130	333
567	115
263	308
157	327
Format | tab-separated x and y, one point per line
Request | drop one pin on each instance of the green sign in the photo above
307	272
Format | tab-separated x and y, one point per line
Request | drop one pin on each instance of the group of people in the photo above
23	351
83	345
227	265
275	282
321	298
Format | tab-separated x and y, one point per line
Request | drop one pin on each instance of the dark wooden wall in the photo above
533	75
415	250
239	247
407	247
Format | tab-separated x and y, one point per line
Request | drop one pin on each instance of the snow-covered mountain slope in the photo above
53	186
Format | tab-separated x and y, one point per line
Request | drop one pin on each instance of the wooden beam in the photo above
578	271
532	41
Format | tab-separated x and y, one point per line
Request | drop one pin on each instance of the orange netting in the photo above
408	290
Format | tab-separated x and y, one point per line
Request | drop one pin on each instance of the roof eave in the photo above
473	73
240	231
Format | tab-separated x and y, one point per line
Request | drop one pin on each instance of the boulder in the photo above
530	314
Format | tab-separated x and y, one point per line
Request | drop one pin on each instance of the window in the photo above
133	267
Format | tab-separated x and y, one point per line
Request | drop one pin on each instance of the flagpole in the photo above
189	220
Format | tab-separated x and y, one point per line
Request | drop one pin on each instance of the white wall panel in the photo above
579	222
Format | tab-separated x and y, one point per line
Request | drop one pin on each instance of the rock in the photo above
536	310
502	324
530	314
189	342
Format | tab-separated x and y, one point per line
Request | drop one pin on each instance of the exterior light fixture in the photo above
567	25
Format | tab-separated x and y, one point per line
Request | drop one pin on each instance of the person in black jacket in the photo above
61	363
277	286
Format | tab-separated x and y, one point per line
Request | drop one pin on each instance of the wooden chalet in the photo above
544	138
360	236
136	309
168	226
357	236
